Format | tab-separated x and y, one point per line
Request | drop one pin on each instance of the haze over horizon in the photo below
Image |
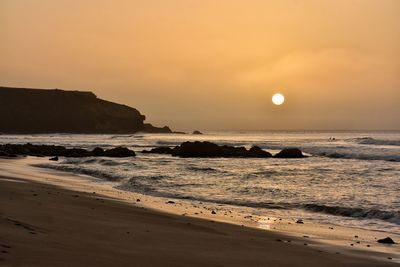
214	65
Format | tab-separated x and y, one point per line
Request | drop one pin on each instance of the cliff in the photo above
25	110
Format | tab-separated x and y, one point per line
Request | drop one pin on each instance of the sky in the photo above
215	64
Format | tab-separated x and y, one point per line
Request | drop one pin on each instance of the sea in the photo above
350	178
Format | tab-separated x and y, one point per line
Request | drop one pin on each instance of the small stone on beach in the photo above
386	240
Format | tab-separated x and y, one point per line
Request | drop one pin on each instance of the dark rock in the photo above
290	153
159	150
98	151
213	212
60	111
148	128
57	151
170	202
197	149
208	149
197	132
54	158
258	152
77	153
119	152
386	240
300	221
7	155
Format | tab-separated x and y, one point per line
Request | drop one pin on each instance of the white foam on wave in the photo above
373	141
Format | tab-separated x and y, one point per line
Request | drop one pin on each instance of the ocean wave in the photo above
390	216
80	170
121	136
83	160
107	162
373	141
349	153
94	161
336	155
201	169
168	143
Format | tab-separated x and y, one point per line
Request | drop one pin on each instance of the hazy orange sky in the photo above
214	64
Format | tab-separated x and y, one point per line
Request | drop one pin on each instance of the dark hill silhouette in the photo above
25	110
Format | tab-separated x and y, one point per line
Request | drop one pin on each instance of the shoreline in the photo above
318	237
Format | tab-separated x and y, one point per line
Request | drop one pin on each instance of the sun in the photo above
278	99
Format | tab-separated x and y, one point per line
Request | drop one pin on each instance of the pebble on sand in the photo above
386	240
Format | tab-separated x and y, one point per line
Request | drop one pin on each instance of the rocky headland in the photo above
27	111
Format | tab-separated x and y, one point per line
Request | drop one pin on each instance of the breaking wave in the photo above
390	216
82	170
373	141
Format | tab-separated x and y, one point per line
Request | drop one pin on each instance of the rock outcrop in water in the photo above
290	153
25	110
160	150
12	150
210	150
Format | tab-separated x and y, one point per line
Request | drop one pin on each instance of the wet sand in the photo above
49	218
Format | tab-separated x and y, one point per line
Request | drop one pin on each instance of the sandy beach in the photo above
200	133
50	218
